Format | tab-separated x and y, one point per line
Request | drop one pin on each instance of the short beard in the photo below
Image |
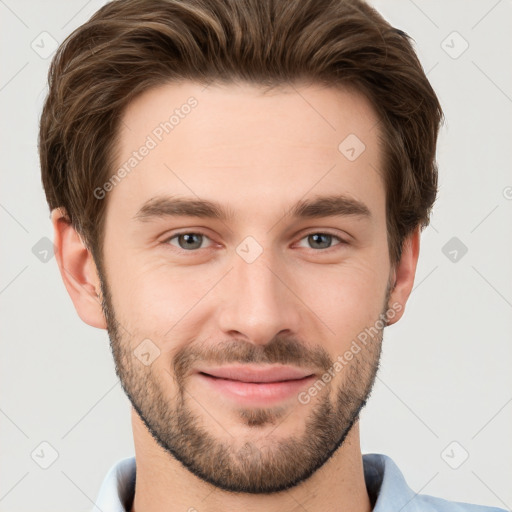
254	469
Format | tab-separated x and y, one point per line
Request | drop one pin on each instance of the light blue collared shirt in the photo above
386	486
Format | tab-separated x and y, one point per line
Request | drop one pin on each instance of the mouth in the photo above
260	385
255	381
255	374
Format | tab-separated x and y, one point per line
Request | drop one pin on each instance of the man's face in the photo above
263	287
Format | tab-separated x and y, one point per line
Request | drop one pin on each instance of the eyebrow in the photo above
317	207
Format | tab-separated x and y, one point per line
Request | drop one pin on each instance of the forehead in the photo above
241	146
310	115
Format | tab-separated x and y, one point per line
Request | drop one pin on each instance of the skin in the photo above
257	154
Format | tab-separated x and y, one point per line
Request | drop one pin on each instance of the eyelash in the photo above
183	251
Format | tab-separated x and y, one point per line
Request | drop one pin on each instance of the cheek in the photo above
167	304
160	302
347	298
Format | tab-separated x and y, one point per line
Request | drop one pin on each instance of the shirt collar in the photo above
118	488
385	483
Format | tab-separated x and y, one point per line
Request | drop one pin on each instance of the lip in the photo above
257	374
258	386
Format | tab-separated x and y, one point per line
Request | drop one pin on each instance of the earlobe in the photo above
78	271
405	273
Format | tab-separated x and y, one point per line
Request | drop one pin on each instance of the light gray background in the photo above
446	368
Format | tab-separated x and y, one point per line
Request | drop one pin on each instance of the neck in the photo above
163	484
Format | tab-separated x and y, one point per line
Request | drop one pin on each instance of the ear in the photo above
404	274
78	270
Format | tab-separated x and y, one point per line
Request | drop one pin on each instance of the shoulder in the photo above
428	503
388	490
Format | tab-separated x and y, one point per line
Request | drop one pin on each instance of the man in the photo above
237	190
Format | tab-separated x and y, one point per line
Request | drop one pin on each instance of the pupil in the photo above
189	239
316	236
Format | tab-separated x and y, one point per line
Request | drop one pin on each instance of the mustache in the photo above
280	350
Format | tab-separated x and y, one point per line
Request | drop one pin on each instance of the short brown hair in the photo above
129	46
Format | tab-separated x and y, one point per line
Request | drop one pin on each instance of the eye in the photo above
187	241
320	240
191	241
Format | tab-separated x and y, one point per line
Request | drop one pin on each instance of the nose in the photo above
258	301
